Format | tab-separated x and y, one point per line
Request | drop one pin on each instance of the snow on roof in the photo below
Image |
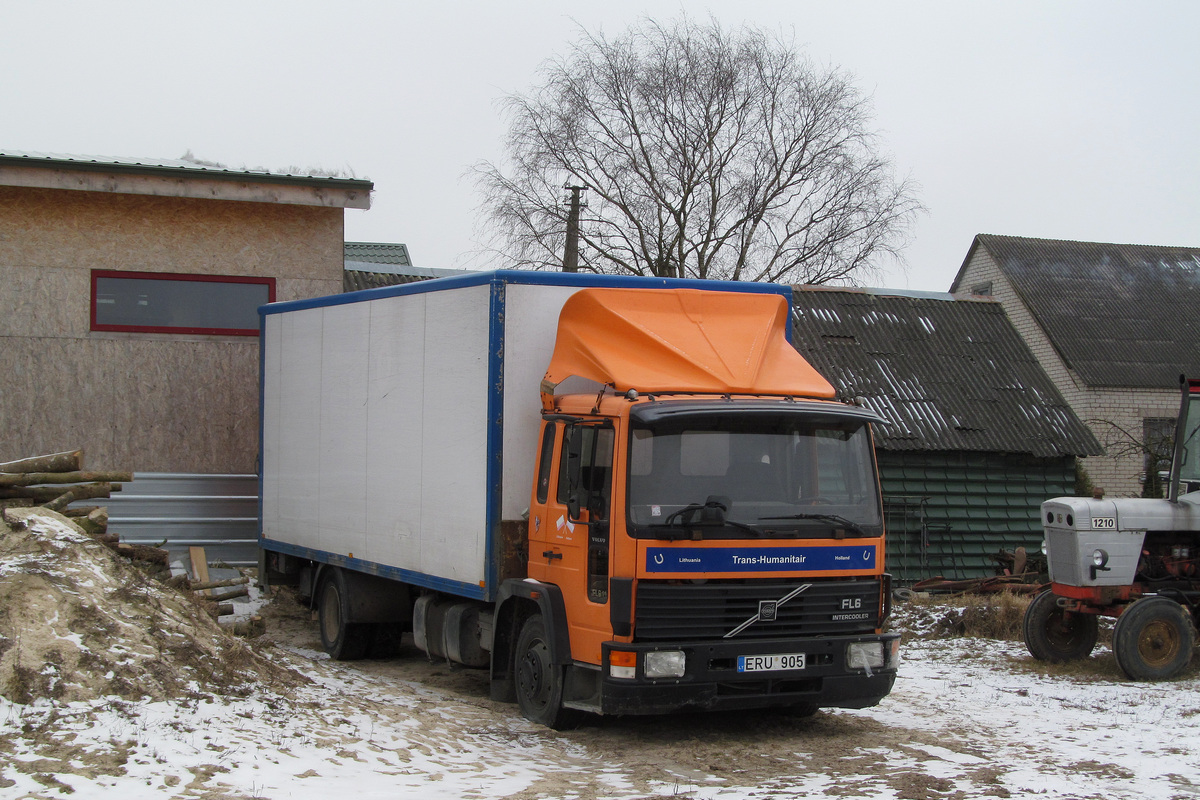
187	164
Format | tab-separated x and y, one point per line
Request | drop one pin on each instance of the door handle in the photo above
551	555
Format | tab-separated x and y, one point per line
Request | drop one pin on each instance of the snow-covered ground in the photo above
968	718
118	686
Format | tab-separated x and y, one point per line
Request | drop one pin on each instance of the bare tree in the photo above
1153	445
708	153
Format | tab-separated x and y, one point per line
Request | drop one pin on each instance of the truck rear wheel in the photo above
540	681
1054	634
1153	639
344	641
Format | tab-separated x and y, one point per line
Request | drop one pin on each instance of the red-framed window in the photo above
165	302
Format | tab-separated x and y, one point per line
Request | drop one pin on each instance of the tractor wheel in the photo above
539	681
1153	639
1054	634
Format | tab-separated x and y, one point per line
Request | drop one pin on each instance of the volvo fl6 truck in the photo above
620	496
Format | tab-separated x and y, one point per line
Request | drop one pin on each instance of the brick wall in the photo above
1114	415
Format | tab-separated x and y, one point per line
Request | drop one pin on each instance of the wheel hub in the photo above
1158	644
532	674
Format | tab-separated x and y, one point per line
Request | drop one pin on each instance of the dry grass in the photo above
940	616
999	616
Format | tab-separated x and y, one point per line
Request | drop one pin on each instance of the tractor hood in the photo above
680	340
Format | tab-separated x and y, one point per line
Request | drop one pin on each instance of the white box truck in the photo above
620	495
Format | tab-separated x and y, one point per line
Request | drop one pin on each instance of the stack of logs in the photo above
55	481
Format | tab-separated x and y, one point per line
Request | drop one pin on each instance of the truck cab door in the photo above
569	529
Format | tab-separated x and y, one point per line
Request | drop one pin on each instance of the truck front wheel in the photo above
540	681
1153	639
1054	634
344	641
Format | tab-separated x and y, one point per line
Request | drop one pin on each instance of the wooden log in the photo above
35	478
80	511
221	597
16	502
84	491
141	552
196	587
95	523
54	462
43	494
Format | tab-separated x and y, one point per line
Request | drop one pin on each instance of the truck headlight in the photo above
1099	558
864	655
664	664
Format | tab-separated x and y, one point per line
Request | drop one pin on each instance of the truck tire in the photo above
342	640
1153	639
1054	634
539	681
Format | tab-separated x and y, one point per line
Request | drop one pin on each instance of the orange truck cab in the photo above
702	524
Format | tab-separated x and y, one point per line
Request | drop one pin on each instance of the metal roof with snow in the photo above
1119	315
947	373
157	176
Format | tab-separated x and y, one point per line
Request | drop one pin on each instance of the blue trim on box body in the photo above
507	276
262	405
411	577
495	438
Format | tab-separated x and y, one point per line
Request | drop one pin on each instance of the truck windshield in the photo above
780	475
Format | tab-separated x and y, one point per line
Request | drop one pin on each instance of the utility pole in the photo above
571	251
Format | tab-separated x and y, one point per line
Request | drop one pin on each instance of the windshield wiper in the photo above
835	518
712	514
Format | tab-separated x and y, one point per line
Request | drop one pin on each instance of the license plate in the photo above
771	663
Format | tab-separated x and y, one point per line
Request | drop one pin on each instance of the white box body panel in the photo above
399	430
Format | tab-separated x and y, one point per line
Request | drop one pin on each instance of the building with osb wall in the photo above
128	302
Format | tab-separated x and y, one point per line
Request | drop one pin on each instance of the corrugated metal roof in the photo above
948	374
372	265
185	165
377	253
354	280
1120	315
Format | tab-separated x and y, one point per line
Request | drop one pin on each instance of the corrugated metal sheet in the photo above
377	253
354	280
178	511
947	514
1119	315
948	374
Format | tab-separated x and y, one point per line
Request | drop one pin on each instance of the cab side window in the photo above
545	462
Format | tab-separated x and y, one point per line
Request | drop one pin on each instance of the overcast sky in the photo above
1071	120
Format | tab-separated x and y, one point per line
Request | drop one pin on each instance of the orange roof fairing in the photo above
680	340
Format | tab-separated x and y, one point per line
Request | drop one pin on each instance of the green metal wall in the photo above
949	513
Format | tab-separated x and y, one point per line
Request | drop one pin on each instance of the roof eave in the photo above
200	182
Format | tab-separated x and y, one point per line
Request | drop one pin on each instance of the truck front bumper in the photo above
714	679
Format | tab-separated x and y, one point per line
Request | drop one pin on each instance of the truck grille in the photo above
679	612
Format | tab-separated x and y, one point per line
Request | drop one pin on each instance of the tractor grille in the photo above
679	612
